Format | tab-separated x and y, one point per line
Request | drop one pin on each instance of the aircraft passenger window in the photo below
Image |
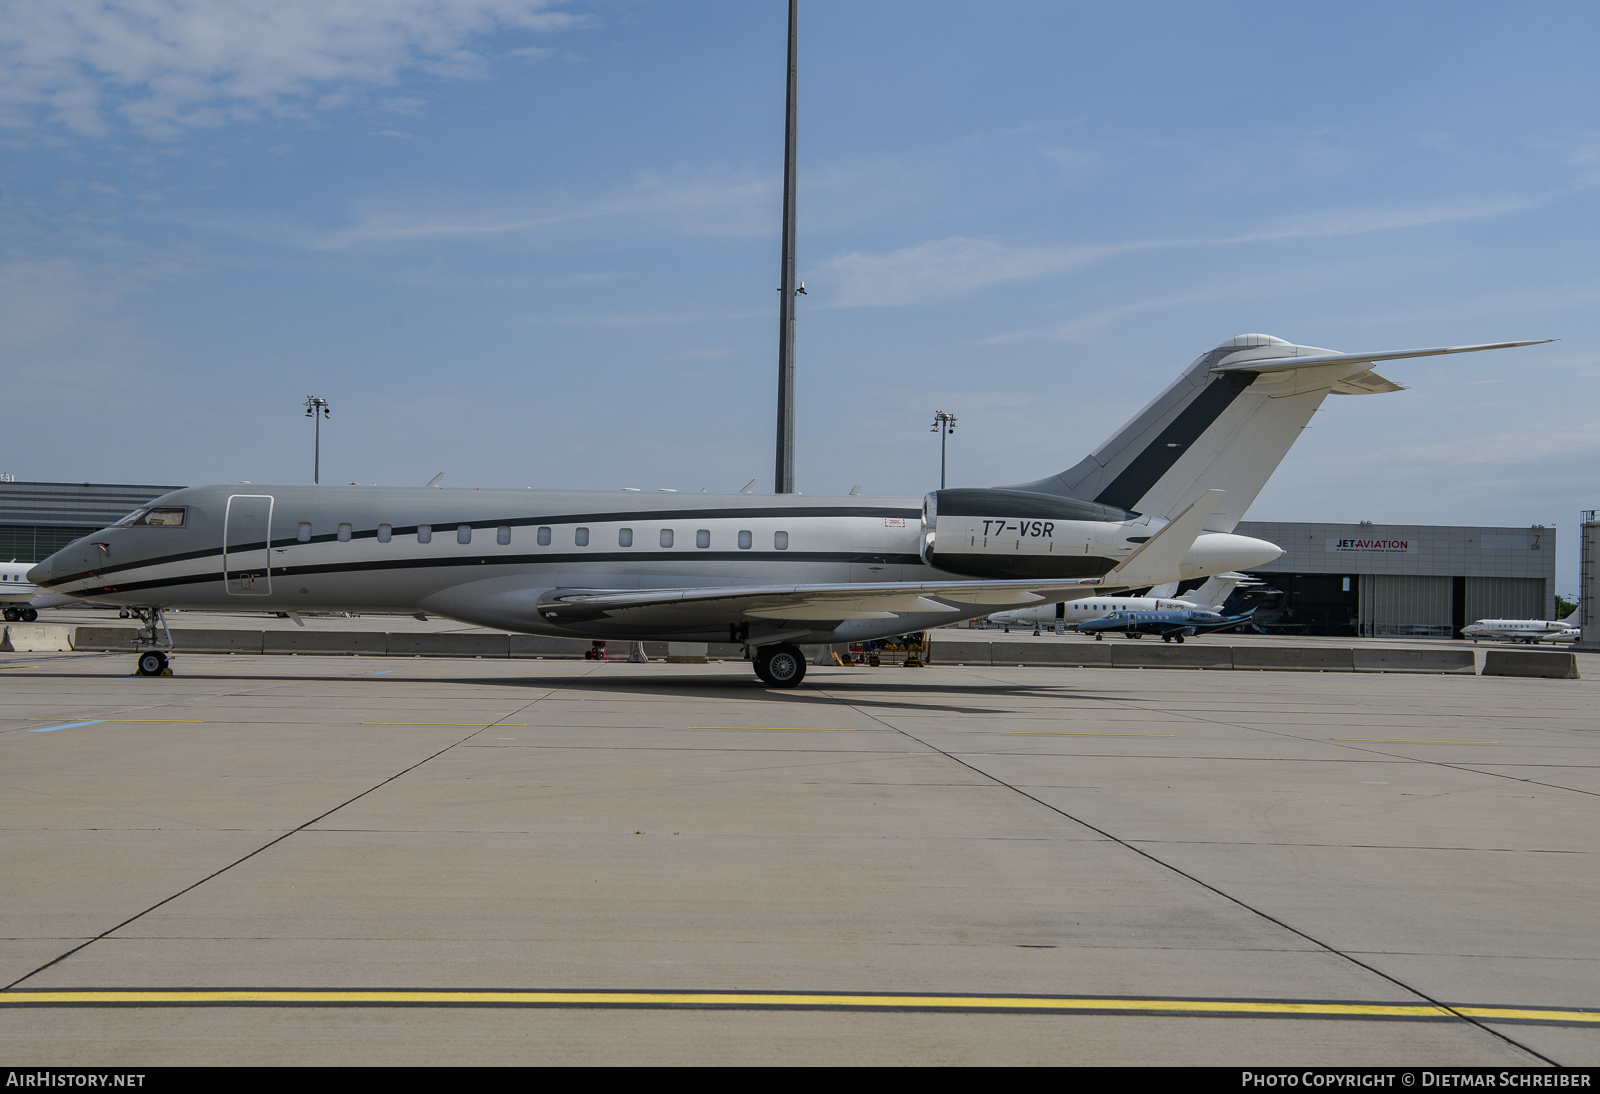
702	538
581	537
303	534
502	535
385	533
780	540
666	537
745	540
344	533
463	533
544	537
424	533
624	537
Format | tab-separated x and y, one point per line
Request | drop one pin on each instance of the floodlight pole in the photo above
944	425
313	405
783	480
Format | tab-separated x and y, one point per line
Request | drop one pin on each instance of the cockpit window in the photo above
162	518
130	518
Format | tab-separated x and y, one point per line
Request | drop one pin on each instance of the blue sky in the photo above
535	243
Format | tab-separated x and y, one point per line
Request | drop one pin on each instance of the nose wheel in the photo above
780	666
153	663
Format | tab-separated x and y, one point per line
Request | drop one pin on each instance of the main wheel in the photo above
153	663
29	615
10	614
781	666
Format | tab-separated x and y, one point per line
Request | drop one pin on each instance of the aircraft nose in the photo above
78	557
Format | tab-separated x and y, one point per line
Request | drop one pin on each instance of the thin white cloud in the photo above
660	319
669	201
166	65
947	269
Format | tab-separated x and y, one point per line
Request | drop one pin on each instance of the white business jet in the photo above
1530	631
16	591
1155	503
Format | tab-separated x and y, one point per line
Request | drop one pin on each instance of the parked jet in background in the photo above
1169	625
16	591
1211	596
1531	631
1157	502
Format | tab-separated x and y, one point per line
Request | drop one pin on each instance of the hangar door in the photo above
1396	604
1505	598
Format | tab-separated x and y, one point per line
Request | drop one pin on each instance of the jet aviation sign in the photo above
1369	546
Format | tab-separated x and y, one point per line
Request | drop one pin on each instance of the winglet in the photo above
1158	559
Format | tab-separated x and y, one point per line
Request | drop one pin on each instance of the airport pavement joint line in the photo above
1153	1006
1465	1016
270	843
1355	745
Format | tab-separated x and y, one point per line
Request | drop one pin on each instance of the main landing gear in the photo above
780	666
1171	637
25	615
153	647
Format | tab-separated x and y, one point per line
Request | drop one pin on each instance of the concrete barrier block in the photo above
37	638
209	640
368	643
1550	664
960	653
416	644
1050	652
104	638
541	645
1402	660
1295	658
1169	655
729	651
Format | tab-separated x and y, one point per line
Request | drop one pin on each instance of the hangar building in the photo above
1406	579
39	518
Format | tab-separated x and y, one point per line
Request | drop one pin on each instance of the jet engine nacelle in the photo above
1000	534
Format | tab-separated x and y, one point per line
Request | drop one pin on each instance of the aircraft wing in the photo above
856	600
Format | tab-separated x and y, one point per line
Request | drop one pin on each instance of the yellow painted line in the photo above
769	1000
787	729
1052	733
1411	741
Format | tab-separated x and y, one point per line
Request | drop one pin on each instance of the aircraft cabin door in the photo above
246	541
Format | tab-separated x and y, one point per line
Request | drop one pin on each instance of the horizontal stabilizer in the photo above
1282	364
1366	383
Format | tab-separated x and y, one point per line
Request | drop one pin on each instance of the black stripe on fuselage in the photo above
1159	455
644	558
447	527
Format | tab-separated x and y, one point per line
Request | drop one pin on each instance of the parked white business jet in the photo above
1530	631
1209	597
16	591
1155	503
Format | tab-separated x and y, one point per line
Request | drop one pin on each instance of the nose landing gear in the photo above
153	648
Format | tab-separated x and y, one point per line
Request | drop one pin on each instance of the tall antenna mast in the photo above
783	481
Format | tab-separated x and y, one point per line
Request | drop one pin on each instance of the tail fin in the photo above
1226	423
1215	592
